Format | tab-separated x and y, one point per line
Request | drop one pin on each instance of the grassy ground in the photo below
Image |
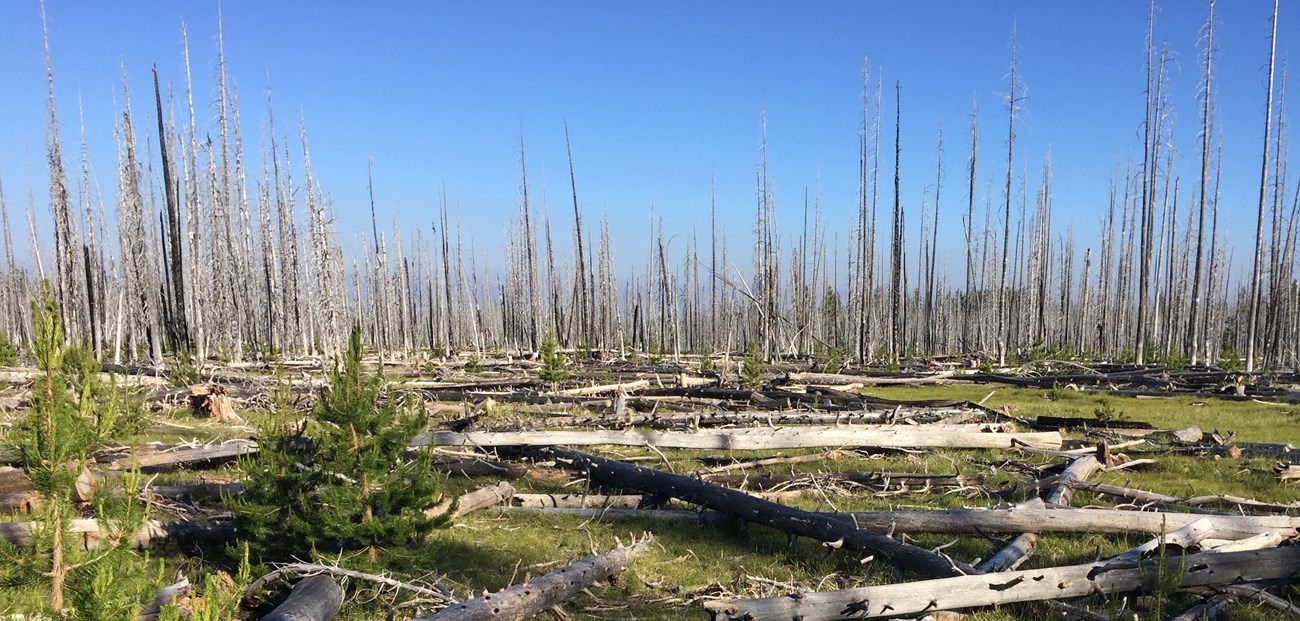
690	561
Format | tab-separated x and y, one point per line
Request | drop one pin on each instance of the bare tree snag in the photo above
835	532
314	598
1204	569
523	601
954	436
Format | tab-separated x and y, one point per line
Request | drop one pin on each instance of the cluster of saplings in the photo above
338	485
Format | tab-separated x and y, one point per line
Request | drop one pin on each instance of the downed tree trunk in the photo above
1022	547
87	534
526	600
910	436
1229	528
604	388
1205	569
1038	519
831	530
187	457
470	502
314	598
165	595
880	480
1153	498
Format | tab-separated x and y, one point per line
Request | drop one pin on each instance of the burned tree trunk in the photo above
1210	568
523	601
833	531
314	598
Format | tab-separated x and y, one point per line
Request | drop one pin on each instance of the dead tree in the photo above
1257	272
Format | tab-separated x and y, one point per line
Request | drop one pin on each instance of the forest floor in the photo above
695	560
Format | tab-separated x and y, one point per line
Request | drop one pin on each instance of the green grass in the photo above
489	551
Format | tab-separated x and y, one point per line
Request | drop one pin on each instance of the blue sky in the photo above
659	99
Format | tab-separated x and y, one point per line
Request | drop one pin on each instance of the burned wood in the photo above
928	436
87	532
1204	569
481	498
314	598
187	457
879	481
477	467
833	531
1022	547
1065	422
523	601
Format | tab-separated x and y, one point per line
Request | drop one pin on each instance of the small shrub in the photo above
751	369
439	350
8	353
554	364
340	482
184	373
656	355
706	362
473	365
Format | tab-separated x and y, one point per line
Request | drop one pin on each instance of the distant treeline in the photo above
208	261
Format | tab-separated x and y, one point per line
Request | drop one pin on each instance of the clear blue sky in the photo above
658	96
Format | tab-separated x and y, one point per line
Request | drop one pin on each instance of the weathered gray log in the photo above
1205	569
577	501
477	467
879	480
87	534
481	498
839	379
14	480
1154	498
831	530
624	387
1022	547
526	600
314	598
1024	519
1183	538
187	457
165	595
909	436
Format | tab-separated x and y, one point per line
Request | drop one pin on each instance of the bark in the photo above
886	436
314	598
1210	568
1022	547
524	601
835	532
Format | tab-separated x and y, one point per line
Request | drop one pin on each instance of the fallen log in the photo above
1230	530
624	387
1022	547
1204	569
526	600
875	480
1164	500
885	436
1022	519
186	457
470	502
86	533
314	598
478	467
833	379
577	501
830	530
164	596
